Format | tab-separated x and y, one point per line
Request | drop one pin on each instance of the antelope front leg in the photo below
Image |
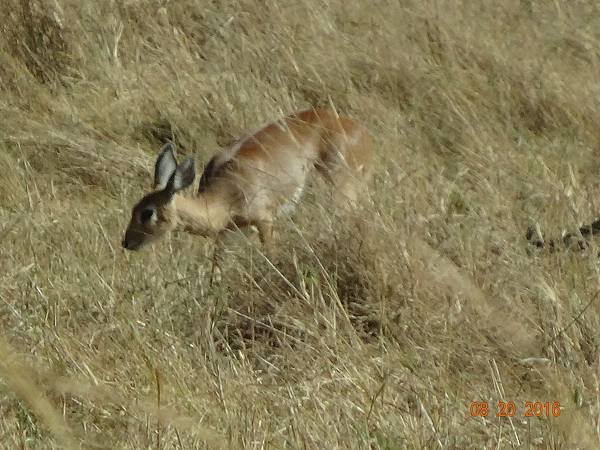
215	270
265	234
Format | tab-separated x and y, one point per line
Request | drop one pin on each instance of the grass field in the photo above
487	120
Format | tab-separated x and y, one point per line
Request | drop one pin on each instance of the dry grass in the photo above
486	117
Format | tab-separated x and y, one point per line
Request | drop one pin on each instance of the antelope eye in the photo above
146	215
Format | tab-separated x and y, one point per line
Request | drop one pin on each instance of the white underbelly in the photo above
290	206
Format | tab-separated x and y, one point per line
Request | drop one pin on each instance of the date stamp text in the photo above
511	409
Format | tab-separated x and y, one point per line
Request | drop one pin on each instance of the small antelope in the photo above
256	179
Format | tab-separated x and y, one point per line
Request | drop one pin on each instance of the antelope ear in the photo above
183	176
165	167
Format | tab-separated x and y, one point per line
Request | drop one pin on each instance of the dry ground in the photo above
486	117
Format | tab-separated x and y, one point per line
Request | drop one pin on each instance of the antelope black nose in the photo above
124	243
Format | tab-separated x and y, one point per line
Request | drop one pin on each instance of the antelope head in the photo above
155	213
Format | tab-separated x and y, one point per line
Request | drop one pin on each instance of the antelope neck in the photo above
203	214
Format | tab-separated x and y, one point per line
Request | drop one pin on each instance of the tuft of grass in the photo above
373	328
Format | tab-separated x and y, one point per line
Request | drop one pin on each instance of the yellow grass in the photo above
372	329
